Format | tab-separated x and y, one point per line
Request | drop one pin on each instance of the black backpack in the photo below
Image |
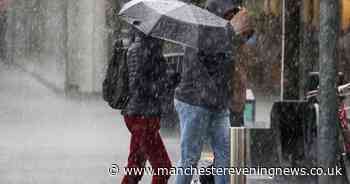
115	85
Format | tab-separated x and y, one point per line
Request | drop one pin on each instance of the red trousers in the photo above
146	144
343	119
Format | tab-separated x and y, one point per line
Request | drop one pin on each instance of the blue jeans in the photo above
197	124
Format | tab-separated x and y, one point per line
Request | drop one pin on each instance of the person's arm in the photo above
244	39
166	81
239	85
162	77
135	68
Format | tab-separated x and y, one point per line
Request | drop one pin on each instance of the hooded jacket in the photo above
204	84
146	76
220	7
206	74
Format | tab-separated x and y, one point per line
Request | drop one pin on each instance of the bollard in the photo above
239	150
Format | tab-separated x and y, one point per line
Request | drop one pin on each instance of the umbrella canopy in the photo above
177	22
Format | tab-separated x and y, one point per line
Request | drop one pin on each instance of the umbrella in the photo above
177	22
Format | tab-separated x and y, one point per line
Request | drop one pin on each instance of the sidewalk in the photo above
47	138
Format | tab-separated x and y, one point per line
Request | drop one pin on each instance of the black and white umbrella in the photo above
177	22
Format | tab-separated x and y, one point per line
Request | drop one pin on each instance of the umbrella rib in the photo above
176	42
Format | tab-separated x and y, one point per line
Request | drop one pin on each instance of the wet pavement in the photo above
49	138
46	137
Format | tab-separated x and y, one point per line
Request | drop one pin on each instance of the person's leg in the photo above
219	134
193	125
156	152
137	157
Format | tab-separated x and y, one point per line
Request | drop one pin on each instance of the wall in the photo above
61	42
87	45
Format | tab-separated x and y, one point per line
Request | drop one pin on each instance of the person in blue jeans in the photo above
197	124
202	98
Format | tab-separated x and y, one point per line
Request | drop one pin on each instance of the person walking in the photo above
202	98
143	111
239	82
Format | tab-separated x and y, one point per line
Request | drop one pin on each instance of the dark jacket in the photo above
220	7
146	77
205	85
206	73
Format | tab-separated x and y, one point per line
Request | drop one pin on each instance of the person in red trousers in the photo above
142	113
